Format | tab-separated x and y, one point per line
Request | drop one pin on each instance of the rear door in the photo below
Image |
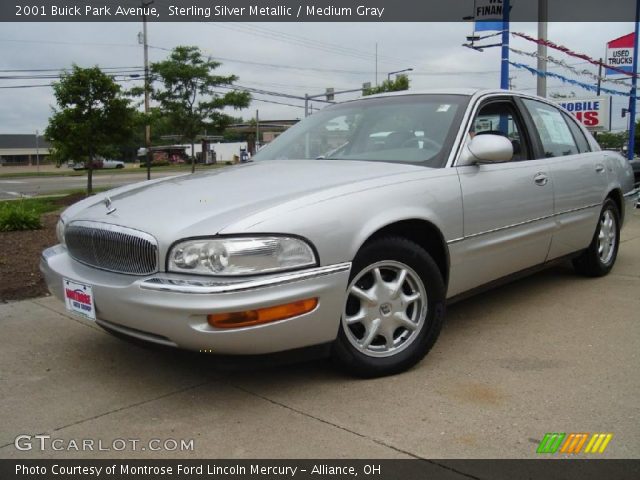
508	206
578	175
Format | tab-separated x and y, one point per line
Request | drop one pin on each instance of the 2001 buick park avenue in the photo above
352	229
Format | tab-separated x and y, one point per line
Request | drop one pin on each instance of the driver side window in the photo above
499	118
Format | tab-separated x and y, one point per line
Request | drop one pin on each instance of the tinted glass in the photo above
415	129
581	140
555	135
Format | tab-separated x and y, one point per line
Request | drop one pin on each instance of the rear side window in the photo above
578	135
555	135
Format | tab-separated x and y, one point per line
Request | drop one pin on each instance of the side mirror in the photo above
487	149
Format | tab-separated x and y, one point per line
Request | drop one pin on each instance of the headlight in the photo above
240	256
60	232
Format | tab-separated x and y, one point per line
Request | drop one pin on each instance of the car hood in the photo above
205	203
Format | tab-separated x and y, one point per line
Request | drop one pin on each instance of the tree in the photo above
188	98
612	140
92	117
400	83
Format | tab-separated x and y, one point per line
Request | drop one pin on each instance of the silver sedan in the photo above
353	229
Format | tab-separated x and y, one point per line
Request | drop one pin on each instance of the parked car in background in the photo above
352	230
635	165
99	164
112	164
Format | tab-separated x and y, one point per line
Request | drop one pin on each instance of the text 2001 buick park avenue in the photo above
352	229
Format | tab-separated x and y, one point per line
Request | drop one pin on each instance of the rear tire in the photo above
394	309
598	259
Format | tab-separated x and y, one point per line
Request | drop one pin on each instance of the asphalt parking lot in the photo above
550	353
17	187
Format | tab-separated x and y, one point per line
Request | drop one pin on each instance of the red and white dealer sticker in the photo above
78	298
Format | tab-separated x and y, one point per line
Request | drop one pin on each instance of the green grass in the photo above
24	214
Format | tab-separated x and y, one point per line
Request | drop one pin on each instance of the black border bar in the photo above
304	10
547	469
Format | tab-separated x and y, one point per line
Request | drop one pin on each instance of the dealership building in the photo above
16	149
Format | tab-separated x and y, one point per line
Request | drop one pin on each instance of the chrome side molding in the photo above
223	285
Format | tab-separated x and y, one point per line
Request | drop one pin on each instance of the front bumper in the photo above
172	309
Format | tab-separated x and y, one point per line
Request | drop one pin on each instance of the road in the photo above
32	186
554	352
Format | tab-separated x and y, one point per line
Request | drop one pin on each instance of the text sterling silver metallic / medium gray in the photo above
352	230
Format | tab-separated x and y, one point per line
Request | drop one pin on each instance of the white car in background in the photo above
112	164
99	164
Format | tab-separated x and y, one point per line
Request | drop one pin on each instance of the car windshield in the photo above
416	129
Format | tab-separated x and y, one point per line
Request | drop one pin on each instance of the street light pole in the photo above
398	71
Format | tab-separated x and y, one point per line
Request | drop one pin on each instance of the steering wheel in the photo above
427	141
415	143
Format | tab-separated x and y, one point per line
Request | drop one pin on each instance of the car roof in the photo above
430	91
468	92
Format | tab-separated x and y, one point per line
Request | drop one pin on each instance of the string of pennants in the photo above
586	86
570	52
565	65
571	68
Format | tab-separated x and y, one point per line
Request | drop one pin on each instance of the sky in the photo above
294	58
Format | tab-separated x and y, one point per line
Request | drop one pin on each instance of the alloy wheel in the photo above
385	310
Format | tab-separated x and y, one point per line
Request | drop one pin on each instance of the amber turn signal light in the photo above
261	315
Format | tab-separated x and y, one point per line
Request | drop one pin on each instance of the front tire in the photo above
394	308
598	259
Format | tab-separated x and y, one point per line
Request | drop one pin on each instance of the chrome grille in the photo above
111	247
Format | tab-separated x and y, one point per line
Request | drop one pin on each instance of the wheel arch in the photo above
615	194
424	233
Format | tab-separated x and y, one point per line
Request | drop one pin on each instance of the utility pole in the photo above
543	15
599	78
37	153
634	84
504	65
376	64
147	126
257	131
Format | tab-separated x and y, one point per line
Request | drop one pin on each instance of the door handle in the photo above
541	179
599	168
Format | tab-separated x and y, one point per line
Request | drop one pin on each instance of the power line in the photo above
51	84
305	42
60	69
76	44
131	73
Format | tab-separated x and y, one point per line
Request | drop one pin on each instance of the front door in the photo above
508	207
